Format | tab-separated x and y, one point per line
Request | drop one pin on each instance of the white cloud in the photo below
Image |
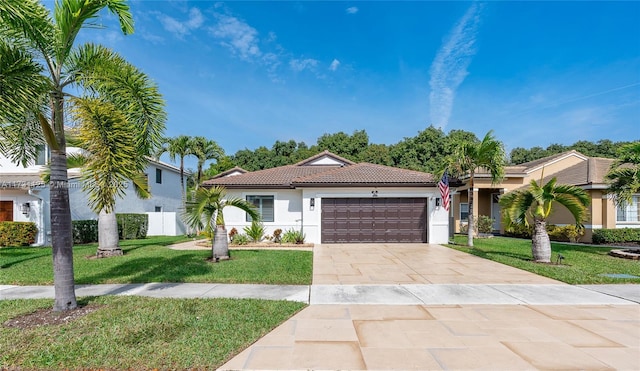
182	28
352	10
237	35
303	64
334	65
449	68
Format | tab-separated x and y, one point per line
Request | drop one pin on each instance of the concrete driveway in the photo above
489	316
375	264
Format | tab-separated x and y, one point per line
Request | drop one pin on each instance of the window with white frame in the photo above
629	212
464	211
264	205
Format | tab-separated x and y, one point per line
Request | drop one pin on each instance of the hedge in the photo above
85	231
130	226
603	236
17	233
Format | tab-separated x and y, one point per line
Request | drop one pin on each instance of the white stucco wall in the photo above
166	195
293	210
287	210
39	210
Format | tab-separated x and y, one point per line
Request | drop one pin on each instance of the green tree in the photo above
345	145
624	173
538	202
204	150
467	157
180	147
40	63
206	211
111	158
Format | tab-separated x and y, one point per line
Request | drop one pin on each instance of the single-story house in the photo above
334	200
24	197
571	167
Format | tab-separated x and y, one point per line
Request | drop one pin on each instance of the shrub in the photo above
604	236
232	233
132	226
482	224
255	231
293	236
518	230
240	239
17	233
85	231
277	235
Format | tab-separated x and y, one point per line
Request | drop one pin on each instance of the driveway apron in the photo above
427	307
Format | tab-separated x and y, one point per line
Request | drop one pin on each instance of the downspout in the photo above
43	234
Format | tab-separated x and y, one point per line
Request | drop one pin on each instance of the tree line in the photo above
424	152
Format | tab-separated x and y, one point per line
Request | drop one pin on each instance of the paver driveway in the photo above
454	336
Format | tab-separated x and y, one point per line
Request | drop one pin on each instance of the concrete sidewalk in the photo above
434	294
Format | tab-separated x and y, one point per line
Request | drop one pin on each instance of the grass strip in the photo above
140	333
149	260
582	264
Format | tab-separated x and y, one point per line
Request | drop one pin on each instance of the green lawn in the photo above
149	260
137	333
582	264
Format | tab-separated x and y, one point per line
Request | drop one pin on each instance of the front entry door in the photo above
495	211
6	211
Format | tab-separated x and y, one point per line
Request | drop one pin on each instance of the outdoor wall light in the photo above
25	208
374	193
312	202
437	201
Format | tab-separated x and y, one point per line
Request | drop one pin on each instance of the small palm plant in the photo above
537	202
206	211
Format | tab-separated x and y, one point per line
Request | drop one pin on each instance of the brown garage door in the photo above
374	220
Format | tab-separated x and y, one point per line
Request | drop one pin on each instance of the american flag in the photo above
443	185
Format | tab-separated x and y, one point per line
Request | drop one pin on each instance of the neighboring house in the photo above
25	197
334	200
569	167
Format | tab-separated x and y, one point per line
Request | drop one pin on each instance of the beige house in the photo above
570	167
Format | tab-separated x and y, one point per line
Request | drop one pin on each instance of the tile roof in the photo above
588	172
527	167
230	171
366	174
323	154
304	174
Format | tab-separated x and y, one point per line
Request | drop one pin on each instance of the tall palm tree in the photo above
181	147
205	150
206	211
40	63
468	156
537	203
624	173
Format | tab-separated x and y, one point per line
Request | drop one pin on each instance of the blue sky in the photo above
249	73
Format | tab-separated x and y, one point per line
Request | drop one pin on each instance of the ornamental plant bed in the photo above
206	243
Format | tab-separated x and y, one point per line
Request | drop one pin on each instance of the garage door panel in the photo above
374	220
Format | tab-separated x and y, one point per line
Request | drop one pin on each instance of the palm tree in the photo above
537	203
205	150
468	157
624	173
181	147
205	211
40	63
109	161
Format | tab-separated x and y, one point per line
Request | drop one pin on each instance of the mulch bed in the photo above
47	317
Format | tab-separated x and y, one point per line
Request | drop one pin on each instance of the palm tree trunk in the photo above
220	246
540	243
108	239
61	235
